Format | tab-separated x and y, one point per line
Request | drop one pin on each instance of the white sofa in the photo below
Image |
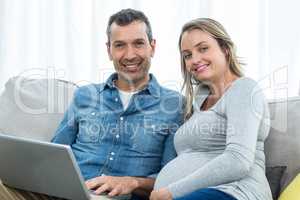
33	108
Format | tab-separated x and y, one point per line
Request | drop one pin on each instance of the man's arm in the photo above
169	152
68	127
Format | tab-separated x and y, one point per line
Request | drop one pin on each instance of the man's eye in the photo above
139	44
119	45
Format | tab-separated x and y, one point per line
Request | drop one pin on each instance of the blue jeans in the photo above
207	194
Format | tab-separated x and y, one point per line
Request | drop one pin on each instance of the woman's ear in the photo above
225	51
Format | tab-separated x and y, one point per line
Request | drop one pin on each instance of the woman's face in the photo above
203	57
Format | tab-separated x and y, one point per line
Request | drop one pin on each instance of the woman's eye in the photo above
187	56
203	49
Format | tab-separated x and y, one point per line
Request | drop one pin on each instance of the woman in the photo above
221	144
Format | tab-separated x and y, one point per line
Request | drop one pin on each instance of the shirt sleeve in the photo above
244	110
169	148
169	152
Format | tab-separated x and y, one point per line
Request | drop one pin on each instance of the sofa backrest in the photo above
33	108
282	147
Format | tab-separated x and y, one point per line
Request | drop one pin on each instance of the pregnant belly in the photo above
182	166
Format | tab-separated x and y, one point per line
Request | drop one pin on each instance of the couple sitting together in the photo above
132	136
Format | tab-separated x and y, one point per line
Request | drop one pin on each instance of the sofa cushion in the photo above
274	175
282	147
33	108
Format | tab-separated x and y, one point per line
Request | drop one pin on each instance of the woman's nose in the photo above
196	58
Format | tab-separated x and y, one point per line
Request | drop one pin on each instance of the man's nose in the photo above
130	53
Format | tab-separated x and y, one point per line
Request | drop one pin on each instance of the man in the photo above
121	131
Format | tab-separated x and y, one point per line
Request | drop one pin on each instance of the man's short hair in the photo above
127	16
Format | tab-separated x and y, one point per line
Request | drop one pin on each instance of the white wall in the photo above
69	37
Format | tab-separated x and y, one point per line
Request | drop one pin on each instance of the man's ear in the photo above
153	45
108	50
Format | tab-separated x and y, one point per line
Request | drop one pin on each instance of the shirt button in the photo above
111	158
102	174
93	113
116	99
112	153
93	138
117	136
121	118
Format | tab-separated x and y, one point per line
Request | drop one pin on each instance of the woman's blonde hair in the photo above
217	31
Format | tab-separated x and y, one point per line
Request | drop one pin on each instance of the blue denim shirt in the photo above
108	140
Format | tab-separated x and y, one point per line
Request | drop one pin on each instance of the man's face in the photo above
131	52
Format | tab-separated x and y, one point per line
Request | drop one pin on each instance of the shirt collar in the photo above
152	87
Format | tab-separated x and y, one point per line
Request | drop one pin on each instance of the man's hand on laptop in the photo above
112	185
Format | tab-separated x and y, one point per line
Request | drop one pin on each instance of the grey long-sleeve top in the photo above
222	147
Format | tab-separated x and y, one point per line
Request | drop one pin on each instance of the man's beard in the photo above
143	70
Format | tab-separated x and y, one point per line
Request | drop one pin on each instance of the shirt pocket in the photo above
151	137
91	130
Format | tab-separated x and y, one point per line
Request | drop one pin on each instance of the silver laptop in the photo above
42	167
